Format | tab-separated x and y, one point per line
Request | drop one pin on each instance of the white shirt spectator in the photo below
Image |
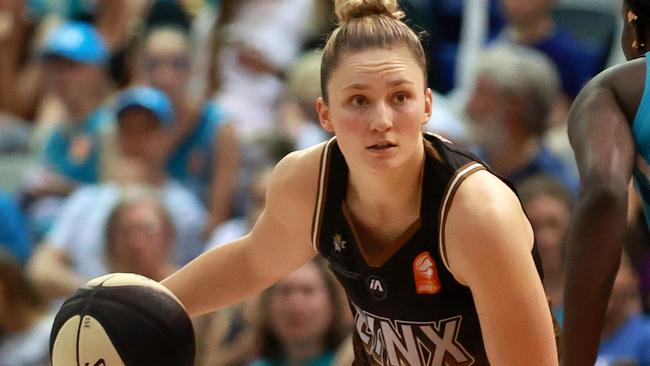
81	229
272	28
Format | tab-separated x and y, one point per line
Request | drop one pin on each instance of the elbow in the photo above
605	195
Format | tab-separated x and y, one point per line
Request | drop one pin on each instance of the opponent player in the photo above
609	130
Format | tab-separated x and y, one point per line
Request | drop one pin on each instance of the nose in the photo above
382	118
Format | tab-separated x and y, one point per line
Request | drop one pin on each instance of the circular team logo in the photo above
377	288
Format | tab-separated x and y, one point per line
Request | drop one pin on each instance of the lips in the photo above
382	145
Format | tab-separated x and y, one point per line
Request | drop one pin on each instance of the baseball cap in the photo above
77	41
151	99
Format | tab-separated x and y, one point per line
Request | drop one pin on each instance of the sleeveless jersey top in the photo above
410	310
641	134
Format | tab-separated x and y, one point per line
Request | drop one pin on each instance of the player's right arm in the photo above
278	243
601	137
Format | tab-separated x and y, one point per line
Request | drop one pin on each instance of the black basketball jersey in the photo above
410	310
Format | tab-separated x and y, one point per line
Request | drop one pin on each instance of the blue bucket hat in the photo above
77	41
151	99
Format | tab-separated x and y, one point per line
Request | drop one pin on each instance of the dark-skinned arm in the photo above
601	137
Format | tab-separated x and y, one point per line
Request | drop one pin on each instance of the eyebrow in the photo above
399	82
394	83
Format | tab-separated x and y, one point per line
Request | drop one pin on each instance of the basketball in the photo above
122	319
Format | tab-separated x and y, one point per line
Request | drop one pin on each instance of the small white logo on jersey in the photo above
339	243
375	285
377	288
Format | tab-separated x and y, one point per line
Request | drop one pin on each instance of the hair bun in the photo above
346	10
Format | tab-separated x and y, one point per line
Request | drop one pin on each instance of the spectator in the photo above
25	320
514	93
74	57
240	226
140	235
302	320
74	251
548	205
14	232
203	147
260	42
531	23
303	88
626	334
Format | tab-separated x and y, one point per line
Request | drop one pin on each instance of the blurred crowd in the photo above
137	134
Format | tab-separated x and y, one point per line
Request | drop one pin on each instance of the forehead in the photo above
376	68
166	41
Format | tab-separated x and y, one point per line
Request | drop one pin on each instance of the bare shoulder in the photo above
299	170
485	221
294	182
626	81
484	197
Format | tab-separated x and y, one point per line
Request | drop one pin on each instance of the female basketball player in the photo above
433	250
609	131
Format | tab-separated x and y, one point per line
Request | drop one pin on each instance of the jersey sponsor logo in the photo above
377	288
425	274
400	343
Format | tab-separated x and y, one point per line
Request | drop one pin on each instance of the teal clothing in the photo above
558	312
641	134
192	163
72	151
66	9
325	359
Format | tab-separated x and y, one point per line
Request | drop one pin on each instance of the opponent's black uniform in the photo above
410	310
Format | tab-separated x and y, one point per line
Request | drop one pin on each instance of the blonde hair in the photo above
365	24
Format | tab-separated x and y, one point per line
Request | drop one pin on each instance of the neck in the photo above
507	159
388	191
79	112
532	31
299	352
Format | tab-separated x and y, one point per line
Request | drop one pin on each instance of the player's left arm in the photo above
488	242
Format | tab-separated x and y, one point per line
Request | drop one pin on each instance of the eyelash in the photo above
355	98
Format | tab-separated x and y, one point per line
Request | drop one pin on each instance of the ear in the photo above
324	115
428	105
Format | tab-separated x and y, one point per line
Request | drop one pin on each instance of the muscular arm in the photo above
600	135
489	242
278	243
